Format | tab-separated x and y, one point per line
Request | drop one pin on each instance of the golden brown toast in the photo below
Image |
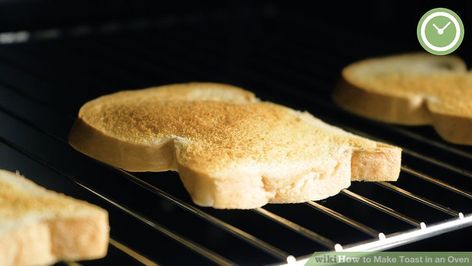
230	149
411	89
41	227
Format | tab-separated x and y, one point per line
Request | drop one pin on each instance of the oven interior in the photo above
51	64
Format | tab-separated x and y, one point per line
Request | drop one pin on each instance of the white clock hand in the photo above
436	27
447	25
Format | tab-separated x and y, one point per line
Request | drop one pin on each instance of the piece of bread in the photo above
411	89
230	149
41	227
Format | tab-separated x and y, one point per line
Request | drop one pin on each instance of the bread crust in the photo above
231	155
453	128
125	155
387	108
380	164
408	97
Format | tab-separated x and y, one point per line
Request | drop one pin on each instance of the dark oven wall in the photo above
392	22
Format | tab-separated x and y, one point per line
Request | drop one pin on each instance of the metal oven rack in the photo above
49	74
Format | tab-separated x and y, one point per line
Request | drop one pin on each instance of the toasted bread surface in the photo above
231	151
411	89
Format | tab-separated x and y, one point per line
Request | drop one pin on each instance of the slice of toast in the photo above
411	89
230	149
41	227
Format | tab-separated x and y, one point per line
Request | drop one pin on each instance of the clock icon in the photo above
440	31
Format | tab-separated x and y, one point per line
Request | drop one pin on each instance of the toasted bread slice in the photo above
41	227
230	149
411	89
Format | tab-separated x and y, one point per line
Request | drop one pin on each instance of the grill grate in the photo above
152	218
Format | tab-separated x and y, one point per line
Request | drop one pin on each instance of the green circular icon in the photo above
440	31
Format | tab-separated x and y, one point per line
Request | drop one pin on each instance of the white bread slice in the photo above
411	89
230	149
41	227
